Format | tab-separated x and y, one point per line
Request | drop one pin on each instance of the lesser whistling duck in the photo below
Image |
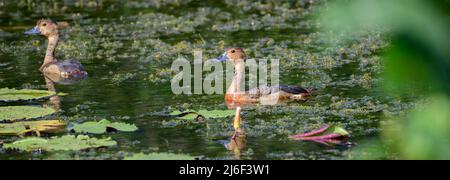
52	68
235	97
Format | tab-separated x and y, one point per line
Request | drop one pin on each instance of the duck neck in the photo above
49	54
239	69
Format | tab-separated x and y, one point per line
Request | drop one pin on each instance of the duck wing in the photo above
72	69
70	65
294	89
268	90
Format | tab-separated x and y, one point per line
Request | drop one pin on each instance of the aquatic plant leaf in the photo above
341	131
14	113
191	115
89	127
123	127
176	113
64	143
102	127
186	115
9	95
217	113
20	128
325	134
159	156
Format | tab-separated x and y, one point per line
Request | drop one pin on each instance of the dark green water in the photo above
141	101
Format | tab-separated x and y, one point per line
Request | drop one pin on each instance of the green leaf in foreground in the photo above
103	126
64	143
9	95
160	156
20	128
14	113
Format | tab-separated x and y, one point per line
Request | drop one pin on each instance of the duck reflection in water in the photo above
236	144
55	101
50	83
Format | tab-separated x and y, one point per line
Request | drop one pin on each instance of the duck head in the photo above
45	28
234	54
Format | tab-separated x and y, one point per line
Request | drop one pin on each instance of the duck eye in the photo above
233	51
44	24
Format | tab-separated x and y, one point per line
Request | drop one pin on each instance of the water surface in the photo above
123	44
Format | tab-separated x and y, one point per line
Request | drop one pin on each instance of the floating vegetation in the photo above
15	113
8	95
122	49
142	30
160	156
103	126
325	135
186	115
37	127
118	79
196	117
190	115
64	143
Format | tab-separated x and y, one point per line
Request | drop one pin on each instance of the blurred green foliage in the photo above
425	133
417	62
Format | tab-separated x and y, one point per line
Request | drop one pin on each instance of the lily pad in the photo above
14	113
325	135
103	126
64	143
9	95
160	156
192	115
185	115
339	130
21	128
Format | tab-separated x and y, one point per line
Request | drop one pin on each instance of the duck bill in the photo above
34	31
223	58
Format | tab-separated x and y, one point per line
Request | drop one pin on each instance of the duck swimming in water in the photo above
236	97
56	70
